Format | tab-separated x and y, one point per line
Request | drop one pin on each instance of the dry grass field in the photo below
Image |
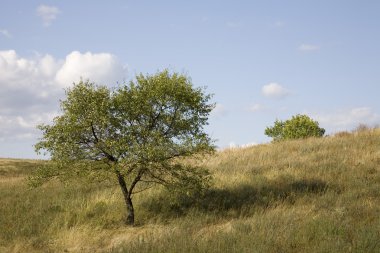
313	195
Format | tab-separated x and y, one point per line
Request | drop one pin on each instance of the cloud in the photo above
251	144
274	90
279	24
205	19
101	68
47	13
256	108
30	88
5	33
233	145
232	24
218	111
347	119
308	47
26	75
15	127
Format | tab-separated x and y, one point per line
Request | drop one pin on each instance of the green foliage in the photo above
298	127
139	132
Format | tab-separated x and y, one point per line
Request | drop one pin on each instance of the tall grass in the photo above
314	195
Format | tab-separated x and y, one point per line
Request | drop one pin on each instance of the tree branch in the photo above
135	181
93	133
172	120
155	118
135	192
160	180
108	155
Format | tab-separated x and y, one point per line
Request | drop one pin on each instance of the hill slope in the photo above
314	195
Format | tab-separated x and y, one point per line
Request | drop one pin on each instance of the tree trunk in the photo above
130	219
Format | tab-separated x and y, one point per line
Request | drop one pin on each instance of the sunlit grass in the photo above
314	195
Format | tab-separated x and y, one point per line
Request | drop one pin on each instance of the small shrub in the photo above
298	127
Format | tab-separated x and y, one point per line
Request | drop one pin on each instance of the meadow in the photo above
313	195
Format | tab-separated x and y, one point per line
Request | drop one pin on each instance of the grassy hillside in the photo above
315	195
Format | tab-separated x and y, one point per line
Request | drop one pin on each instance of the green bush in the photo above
298	127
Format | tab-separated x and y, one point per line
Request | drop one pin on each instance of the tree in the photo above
137	132
298	127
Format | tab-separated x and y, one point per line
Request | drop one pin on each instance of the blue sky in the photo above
262	60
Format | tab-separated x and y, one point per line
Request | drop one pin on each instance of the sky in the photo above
262	60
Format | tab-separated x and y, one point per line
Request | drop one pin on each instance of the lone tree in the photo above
138	133
298	127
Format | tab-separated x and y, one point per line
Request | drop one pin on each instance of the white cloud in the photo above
308	47
274	90
30	88
256	108
347	119
232	24
205	19
23	127
247	145
279	24
233	145
5	33
47	13
218	111
22	74
101	68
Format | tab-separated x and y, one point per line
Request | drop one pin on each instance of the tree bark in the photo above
130	218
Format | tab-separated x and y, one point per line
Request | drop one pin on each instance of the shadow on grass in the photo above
238	201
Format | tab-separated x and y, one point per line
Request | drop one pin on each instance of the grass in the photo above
314	195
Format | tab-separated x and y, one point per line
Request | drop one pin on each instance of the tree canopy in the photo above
298	127
137	132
